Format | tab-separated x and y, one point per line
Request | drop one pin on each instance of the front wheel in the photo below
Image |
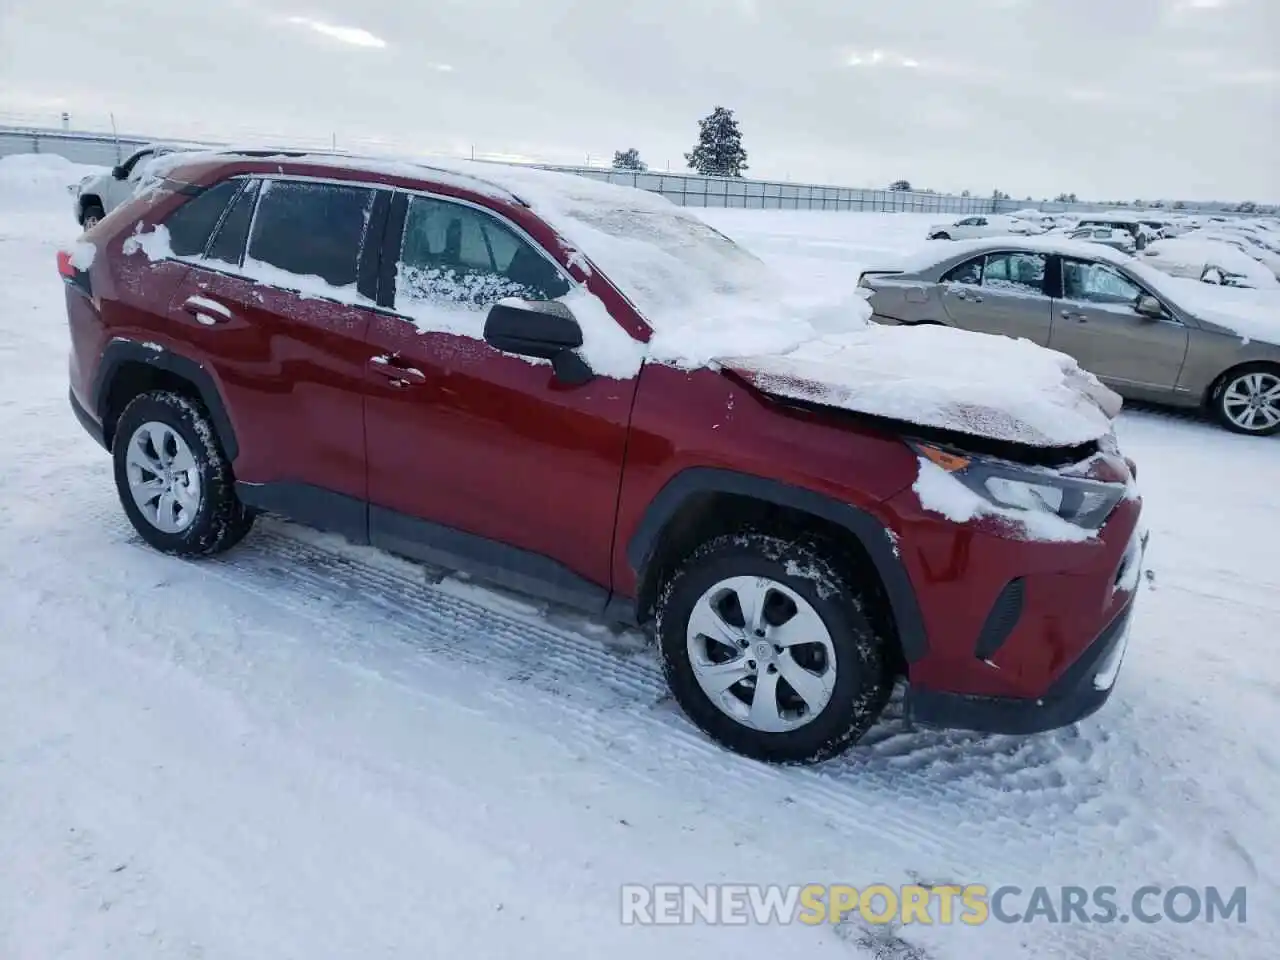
941	236
766	648
1248	400
174	481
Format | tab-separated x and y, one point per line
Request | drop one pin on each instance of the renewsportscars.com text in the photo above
970	904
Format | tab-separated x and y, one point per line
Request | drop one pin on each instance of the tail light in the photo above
73	275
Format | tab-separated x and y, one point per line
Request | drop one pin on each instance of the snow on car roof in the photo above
473	179
942	251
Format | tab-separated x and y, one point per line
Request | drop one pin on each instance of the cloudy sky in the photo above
1104	98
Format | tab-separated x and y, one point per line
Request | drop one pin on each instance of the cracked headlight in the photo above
1083	502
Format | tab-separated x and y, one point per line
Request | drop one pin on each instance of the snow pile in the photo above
38	173
31	185
1188	256
997	387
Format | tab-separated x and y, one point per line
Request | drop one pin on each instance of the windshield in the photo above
663	261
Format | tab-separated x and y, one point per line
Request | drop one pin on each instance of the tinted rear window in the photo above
311	229
192	223
228	245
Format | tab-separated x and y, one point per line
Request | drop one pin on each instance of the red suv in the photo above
457	365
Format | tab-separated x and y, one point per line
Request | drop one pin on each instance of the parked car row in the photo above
1240	252
1143	333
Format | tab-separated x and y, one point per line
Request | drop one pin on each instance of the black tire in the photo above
92	213
863	681
1217	399
221	520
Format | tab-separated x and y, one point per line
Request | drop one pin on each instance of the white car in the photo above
1200	258
100	193
985	225
1121	240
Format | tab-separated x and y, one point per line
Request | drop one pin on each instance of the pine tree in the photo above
719	151
900	185
628	159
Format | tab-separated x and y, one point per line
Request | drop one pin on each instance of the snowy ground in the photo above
303	749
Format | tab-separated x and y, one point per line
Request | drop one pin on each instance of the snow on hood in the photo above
989	386
1248	313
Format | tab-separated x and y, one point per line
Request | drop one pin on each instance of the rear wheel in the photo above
174	481
767	649
93	213
1248	400
942	236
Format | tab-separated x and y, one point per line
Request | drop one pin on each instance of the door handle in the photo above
398	374
965	295
1078	317
206	311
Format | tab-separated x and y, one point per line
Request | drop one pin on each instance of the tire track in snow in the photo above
905	793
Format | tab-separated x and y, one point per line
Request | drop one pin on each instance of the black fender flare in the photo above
121	351
879	542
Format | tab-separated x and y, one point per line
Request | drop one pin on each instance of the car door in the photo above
274	306
1000	293
1096	321
474	454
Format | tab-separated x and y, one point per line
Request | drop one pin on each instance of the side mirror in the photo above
118	172
547	330
1149	306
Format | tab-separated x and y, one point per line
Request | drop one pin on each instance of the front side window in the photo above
968	273
454	255
1092	282
191	224
131	165
1015	272
311	229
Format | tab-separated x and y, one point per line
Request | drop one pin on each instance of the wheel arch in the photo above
1220	381
90	199
702	500
129	368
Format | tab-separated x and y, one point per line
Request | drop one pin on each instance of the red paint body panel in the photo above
959	570
292	373
703	418
495	446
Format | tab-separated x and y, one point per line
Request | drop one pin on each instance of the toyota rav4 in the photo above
582	392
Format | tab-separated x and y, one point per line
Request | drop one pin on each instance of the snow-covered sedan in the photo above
986	225
1145	334
1198	257
1121	240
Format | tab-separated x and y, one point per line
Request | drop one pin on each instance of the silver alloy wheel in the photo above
1252	400
761	653
163	477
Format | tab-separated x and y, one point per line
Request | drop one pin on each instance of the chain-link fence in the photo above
685	189
692	190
